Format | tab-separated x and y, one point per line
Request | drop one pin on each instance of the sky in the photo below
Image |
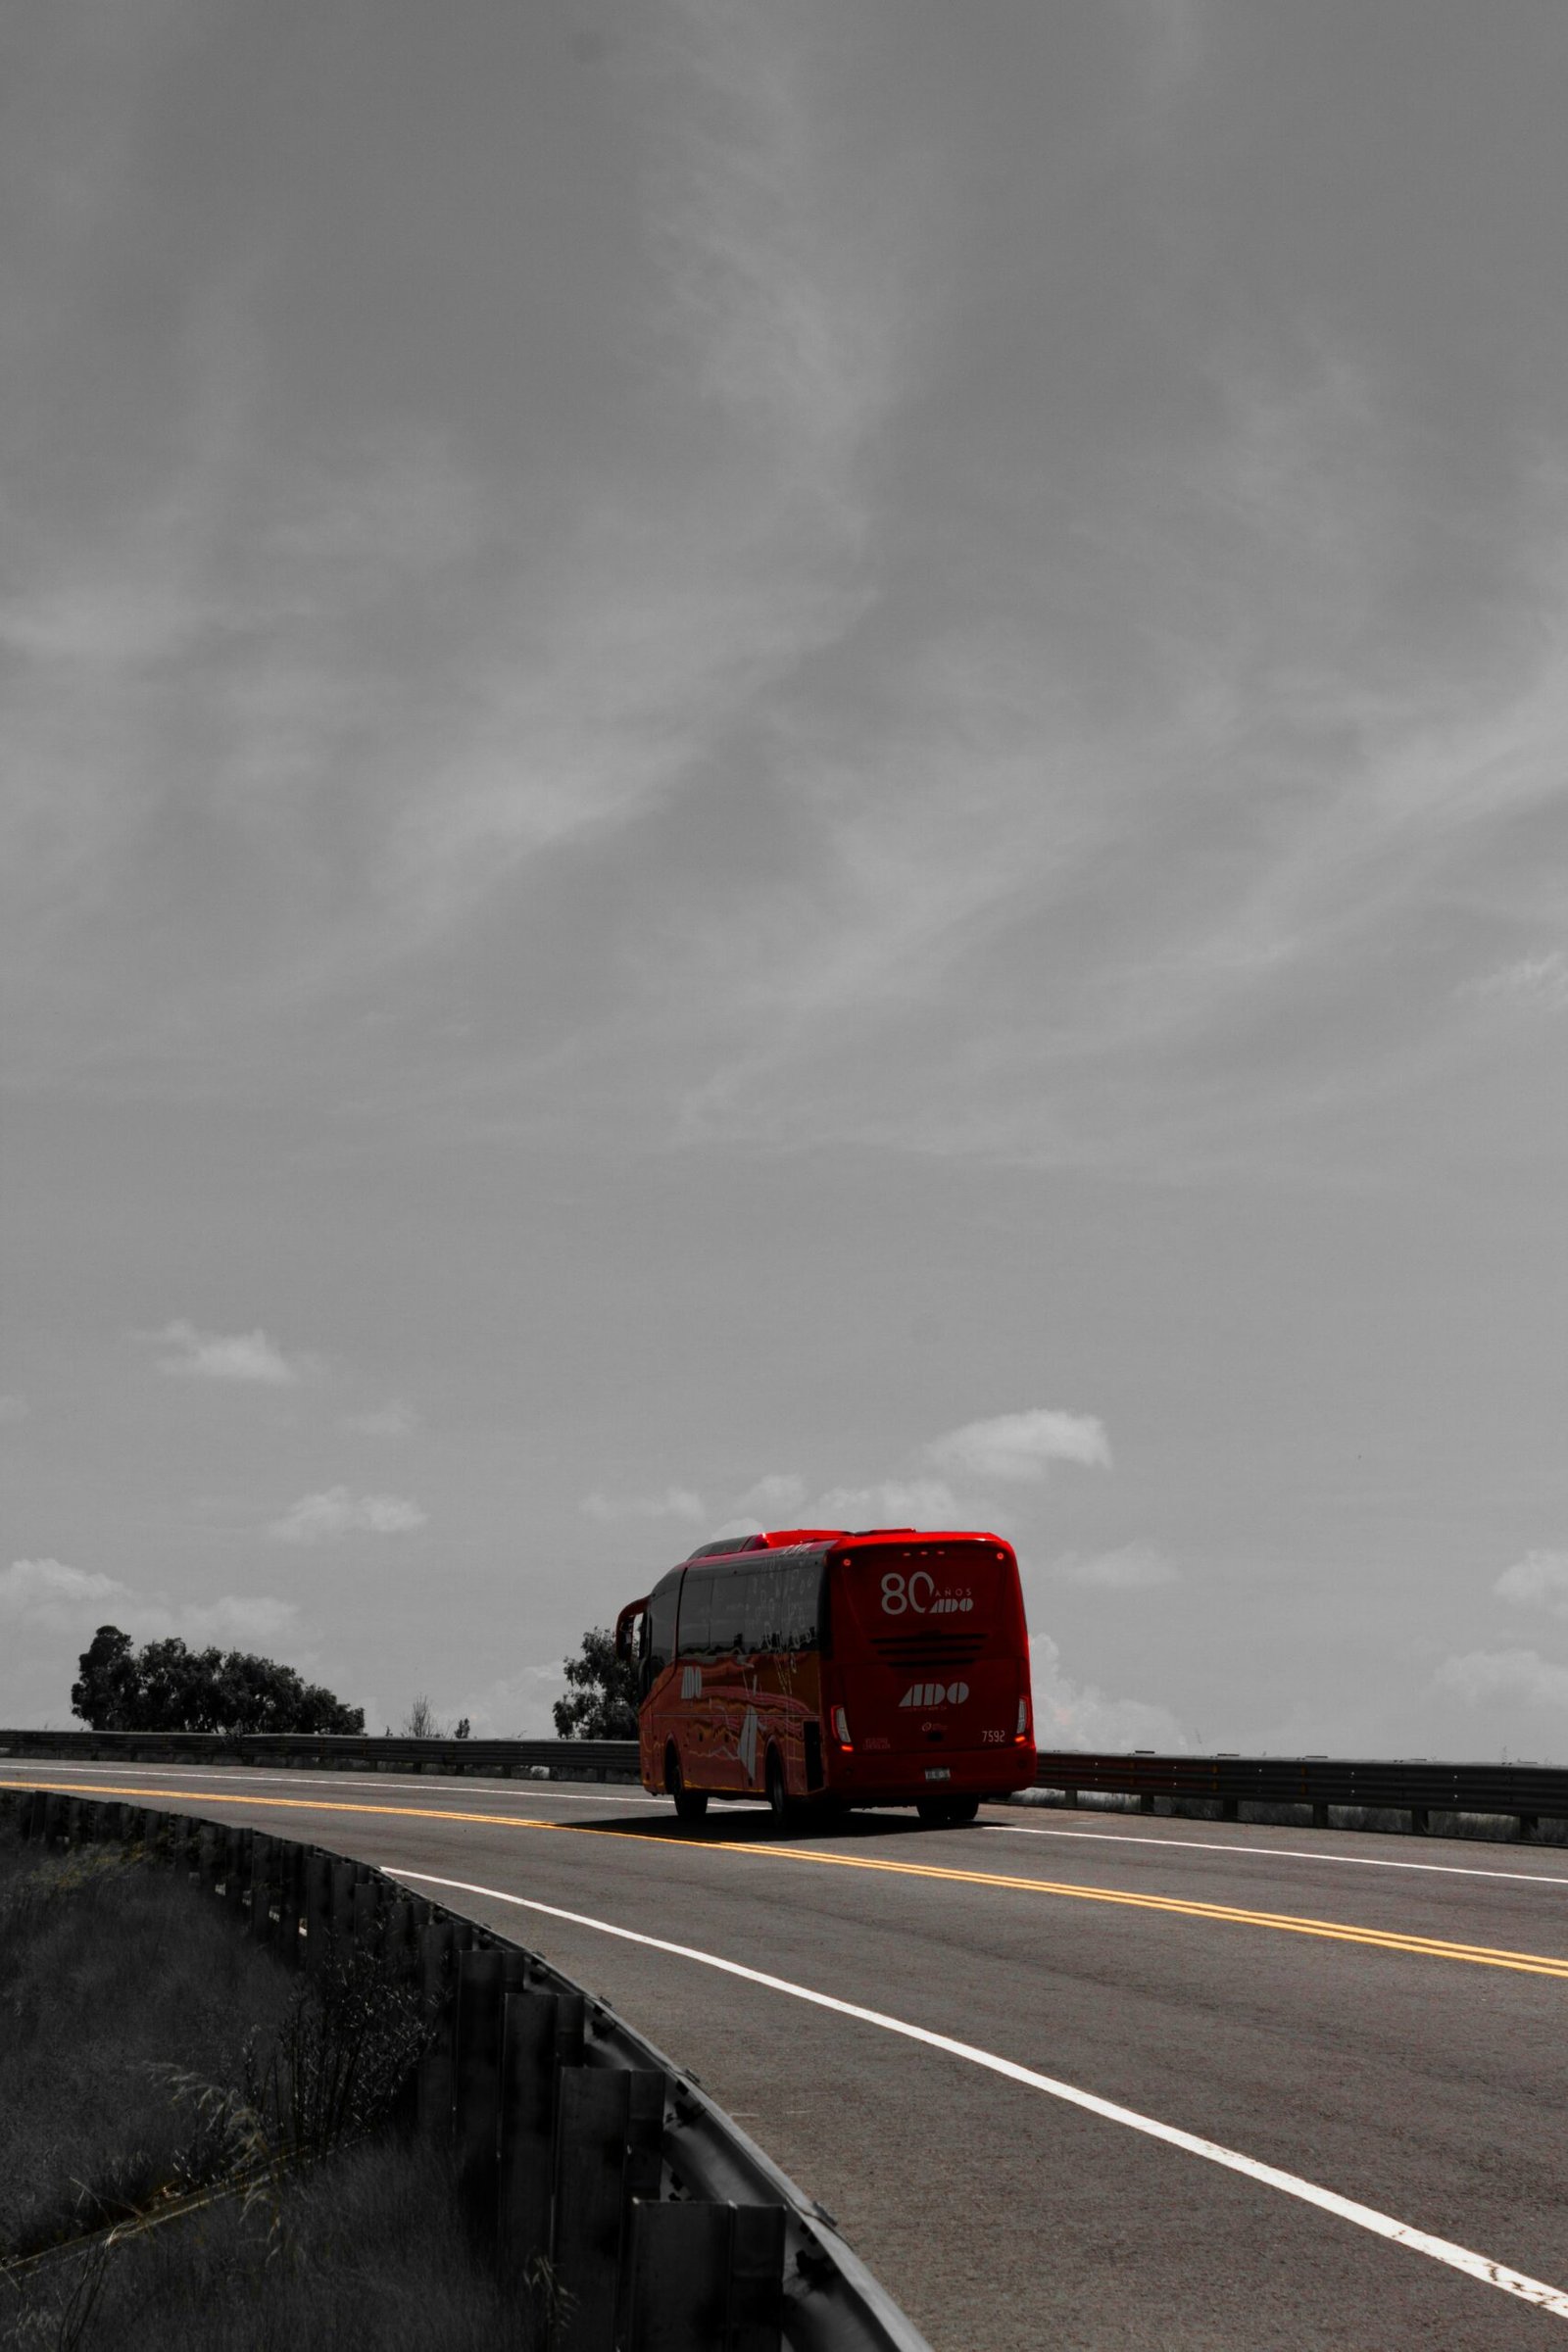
769	764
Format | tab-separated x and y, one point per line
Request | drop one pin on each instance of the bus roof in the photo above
779	1538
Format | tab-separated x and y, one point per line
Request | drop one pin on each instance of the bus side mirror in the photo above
625	1624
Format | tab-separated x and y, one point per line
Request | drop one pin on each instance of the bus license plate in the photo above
938	1772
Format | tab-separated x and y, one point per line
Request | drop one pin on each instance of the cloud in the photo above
1535	984
215	1355
1134	1567
1479	1674
1073	1715
322	1518
237	1619
515	1706
1539	1579
62	1599
1022	1445
49	1593
391	1421
889	1502
12	1408
676	1502
774	1496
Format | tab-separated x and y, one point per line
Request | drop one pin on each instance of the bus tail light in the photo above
1023	1718
841	1730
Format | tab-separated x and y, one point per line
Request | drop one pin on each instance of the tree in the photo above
601	1702
421	1721
163	1686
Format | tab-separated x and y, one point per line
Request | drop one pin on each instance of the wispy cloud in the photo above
327	1517
52	1595
889	1502
676	1502
514	1706
389	1421
1132	1568
1079	1715
1540	1579
1479	1675
1022	1445
774	1496
238	1620
1533	984
247	1355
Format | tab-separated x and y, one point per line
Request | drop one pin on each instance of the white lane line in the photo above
228	1777
1286	1853
1552	2299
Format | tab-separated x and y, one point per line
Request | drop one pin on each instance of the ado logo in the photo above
920	1594
935	1694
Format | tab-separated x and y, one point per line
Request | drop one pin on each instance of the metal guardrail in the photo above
665	2227
350	1753
1528	1792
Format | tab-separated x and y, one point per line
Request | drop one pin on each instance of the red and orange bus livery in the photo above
823	1669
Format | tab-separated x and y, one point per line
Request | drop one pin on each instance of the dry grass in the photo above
150	2052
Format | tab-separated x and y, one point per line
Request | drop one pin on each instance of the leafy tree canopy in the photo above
163	1686
601	1702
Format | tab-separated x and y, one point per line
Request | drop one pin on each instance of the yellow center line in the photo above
1537	1964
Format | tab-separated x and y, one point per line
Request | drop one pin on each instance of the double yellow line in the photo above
1424	1948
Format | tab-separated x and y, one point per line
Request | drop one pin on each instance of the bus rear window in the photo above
906	1597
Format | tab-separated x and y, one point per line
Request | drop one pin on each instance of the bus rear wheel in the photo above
948	1812
778	1792
690	1804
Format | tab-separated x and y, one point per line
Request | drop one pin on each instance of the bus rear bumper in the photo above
886	1779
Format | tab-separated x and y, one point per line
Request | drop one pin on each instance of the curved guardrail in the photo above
667	2228
1528	1792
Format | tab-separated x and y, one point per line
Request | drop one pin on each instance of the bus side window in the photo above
659	1633
695	1605
762	1618
728	1627
802	1589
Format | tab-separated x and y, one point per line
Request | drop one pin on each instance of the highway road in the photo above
1069	2081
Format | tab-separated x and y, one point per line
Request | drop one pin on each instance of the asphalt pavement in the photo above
1068	2081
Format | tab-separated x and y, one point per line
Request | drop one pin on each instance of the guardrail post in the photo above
437	1969
1320	1817
1418	1821
708	2275
398	1936
1230	1808
238	1870
607	2116
477	2088
367	1922
266	1867
318	1908
342	1904
542	2034
264	1875
289	1865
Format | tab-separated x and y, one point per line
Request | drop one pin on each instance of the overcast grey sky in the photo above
791	758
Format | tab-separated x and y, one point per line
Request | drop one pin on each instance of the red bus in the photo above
822	1670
